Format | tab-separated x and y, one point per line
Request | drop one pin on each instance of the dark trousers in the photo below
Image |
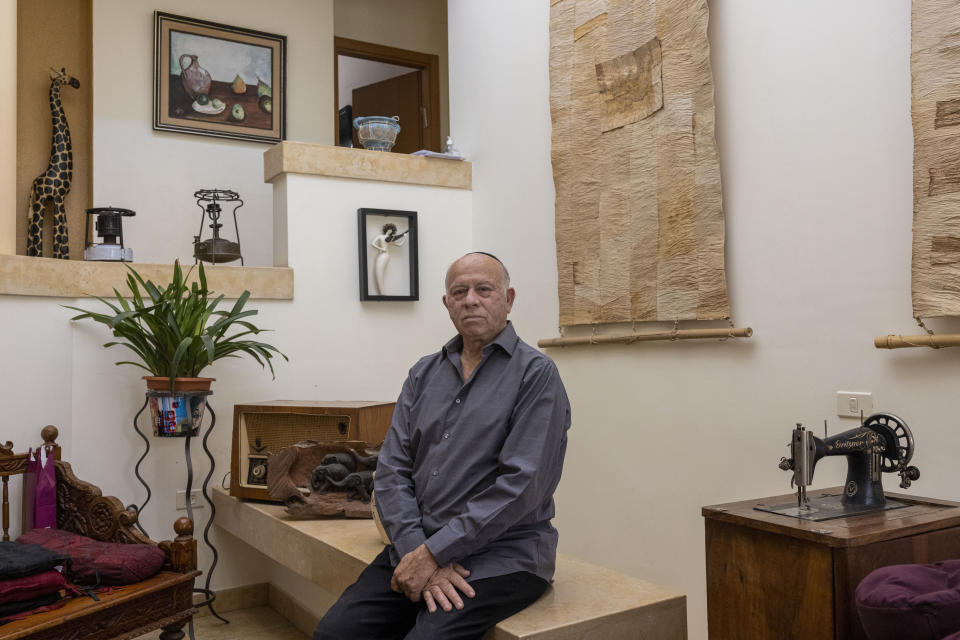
370	610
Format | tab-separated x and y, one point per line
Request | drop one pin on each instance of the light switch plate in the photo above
850	404
195	499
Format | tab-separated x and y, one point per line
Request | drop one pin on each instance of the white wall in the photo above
813	122
36	379
156	173
353	73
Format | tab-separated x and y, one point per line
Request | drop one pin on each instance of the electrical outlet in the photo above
850	404
196	499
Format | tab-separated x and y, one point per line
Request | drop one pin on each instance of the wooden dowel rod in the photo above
627	338
902	342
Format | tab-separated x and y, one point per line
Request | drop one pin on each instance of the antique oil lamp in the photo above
109	226
215	249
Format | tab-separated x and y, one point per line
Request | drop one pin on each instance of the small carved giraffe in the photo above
54	183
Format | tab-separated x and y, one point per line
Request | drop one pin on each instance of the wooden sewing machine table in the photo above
775	576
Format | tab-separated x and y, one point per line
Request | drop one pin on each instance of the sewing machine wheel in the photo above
898	438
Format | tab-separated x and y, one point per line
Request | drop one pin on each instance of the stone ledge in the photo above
344	162
585	601
25	276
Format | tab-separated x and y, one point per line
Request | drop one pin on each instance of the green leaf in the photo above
136	364
178	356
123	303
208	344
176	329
121	317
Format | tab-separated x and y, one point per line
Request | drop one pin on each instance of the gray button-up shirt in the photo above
469	468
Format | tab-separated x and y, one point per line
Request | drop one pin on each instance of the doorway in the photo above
376	80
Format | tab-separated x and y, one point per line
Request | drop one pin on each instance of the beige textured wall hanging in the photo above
935	59
639	223
935	110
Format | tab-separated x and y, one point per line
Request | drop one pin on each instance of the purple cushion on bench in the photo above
95	562
915	601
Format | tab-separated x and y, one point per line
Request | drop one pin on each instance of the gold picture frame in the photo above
217	80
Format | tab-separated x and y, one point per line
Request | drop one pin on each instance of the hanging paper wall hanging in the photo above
639	222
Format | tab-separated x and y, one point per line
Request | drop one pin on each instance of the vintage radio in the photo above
263	428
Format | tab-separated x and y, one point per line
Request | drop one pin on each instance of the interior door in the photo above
399	96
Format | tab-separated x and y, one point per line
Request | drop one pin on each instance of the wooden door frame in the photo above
391	55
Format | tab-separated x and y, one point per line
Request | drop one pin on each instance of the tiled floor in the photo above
258	623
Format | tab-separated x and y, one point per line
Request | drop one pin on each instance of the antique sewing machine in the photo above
882	443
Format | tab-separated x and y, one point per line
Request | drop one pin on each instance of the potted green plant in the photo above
176	330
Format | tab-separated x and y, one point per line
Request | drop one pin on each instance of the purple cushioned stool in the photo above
911	602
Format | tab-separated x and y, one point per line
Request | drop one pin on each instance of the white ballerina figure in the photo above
382	244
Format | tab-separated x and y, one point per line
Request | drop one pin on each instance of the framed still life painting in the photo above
216	80
388	254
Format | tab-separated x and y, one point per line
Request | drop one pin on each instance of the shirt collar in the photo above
506	340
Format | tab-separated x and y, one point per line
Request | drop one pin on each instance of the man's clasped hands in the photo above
417	574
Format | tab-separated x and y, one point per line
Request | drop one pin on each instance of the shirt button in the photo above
446	435
435	473
457	400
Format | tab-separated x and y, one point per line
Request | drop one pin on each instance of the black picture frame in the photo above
402	251
226	50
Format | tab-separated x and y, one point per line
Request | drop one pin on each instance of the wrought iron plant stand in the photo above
188	436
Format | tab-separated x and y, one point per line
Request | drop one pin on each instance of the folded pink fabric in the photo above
29	587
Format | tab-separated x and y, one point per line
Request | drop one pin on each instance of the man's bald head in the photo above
476	255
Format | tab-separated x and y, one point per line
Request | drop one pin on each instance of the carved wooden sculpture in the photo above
338	475
53	184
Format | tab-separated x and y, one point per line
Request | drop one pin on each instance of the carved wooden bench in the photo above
164	601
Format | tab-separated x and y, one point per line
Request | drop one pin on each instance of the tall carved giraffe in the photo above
54	183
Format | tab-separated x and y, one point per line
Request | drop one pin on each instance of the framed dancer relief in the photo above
388	254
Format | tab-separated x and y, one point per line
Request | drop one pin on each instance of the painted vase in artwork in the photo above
196	79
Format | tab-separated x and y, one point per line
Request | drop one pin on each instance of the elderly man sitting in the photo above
465	478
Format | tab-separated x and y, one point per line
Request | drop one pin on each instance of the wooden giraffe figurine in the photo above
53	184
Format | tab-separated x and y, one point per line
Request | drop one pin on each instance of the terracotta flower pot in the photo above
158	383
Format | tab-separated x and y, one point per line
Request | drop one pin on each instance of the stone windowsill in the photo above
25	276
344	162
